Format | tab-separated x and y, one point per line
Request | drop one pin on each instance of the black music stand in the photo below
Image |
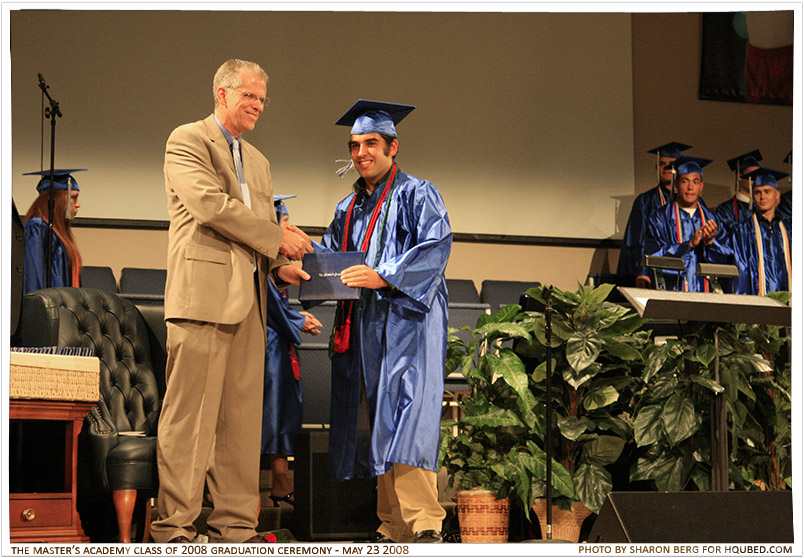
711	307
660	264
714	272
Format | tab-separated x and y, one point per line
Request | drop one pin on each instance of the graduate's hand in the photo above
643	282
311	324
710	230
706	234
300	232
362	276
292	274
295	243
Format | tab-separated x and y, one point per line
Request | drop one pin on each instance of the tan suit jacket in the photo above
214	238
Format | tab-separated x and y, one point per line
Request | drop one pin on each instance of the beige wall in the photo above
666	63
494	114
666	54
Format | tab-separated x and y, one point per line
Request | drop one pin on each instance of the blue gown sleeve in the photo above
743	258
331	241
418	271
629	263
720	251
281	318
35	240
659	239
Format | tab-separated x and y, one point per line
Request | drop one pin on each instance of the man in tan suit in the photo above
224	241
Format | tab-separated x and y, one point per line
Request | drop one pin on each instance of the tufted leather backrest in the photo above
112	326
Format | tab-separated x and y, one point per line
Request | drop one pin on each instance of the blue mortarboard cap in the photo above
672	149
62	179
279	198
367	117
766	177
687	165
279	204
742	162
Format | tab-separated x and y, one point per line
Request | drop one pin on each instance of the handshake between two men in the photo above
294	245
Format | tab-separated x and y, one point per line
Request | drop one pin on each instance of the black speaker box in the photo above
695	517
328	509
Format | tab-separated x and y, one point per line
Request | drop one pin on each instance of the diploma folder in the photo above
325	269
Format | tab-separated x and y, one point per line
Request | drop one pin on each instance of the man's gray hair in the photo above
230	75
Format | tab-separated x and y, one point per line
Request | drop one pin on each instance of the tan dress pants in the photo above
407	501
213	403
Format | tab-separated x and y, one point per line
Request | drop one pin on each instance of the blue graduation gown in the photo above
785	207
398	336
732	212
282	393
35	275
662	241
632	250
746	256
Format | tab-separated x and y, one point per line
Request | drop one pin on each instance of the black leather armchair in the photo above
130	398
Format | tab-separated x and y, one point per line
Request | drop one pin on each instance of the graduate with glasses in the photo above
737	209
629	265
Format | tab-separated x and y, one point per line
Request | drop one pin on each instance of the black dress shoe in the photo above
288	498
181	539
427	536
380	538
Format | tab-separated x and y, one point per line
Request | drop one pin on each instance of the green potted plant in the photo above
498	443
494	445
596	355
673	408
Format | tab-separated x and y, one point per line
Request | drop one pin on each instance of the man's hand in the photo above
295	243
643	282
311	324
362	276
710	230
292	274
706	234
300	232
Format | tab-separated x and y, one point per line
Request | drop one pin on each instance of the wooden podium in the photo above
50	516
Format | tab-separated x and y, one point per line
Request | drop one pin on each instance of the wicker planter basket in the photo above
53	376
566	524
482	518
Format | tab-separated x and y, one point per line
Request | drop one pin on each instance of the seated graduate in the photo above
65	258
737	209
762	245
630	263
686	229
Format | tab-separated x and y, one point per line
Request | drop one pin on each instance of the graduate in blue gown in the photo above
66	259
686	229
629	265
785	208
762	245
390	346
282	404
737	209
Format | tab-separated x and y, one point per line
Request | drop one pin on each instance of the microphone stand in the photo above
51	112
547	294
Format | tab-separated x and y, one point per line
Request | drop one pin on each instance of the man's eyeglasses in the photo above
251	97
